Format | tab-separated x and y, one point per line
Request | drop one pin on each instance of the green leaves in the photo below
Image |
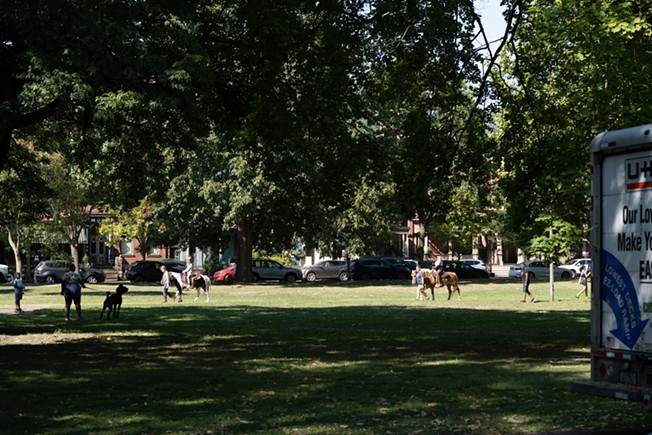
559	239
577	68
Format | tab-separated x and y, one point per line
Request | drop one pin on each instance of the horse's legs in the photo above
459	294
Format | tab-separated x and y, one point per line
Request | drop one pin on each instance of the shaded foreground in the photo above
429	368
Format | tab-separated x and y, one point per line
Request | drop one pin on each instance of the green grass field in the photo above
307	359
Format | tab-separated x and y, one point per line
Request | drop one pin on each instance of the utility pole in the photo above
552	273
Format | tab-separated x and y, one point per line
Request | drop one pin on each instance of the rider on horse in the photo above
186	272
438	267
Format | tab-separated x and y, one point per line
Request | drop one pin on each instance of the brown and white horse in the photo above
178	283
199	281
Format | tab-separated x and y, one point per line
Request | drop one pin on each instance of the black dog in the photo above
113	302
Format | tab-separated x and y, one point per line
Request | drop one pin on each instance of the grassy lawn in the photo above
319	358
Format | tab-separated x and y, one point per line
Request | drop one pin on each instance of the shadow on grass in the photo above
252	369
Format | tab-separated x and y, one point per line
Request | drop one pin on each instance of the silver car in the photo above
478	264
264	268
5	275
52	271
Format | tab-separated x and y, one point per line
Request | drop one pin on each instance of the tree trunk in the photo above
28	266
74	247
15	246
243	248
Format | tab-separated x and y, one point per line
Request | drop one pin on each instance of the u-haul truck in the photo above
621	249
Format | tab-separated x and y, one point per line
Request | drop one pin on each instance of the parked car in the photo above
396	262
463	270
226	275
264	269
150	271
478	264
377	268
326	269
538	269
5	275
91	275
574	265
51	271
412	264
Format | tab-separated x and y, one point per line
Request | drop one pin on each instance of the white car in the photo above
5	275
574	265
539	269
478	264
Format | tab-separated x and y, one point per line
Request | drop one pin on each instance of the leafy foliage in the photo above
576	68
139	223
329	121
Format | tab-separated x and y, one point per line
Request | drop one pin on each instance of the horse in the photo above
178	280
198	282
448	278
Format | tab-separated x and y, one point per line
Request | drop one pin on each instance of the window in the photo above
127	248
154	252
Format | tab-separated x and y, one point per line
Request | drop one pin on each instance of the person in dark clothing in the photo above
71	285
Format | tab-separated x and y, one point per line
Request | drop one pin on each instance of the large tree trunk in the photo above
243	248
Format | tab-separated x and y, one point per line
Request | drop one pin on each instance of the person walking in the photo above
585	275
525	279
421	294
19	288
165	280
71	285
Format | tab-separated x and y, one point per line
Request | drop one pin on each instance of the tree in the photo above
139	223
425	89
574	69
23	202
110	86
284	106
71	204
466	218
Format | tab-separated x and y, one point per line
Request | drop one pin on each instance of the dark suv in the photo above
379	268
52	271
150	271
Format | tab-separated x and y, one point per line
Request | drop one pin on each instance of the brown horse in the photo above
448	278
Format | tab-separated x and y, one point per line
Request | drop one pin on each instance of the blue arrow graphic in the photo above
619	293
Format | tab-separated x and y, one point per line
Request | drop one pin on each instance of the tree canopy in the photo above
324	122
